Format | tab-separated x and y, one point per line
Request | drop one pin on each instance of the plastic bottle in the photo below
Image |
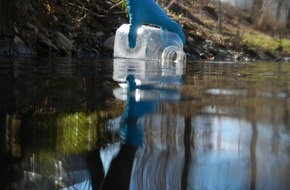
155	80
151	44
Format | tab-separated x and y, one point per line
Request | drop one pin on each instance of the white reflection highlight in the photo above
231	92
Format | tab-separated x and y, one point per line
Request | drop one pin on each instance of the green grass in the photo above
265	42
122	4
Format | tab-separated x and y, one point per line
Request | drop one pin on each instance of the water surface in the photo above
90	124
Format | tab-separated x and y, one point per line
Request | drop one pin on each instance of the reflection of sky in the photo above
220	154
221	134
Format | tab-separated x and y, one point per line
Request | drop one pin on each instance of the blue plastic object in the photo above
132	131
149	12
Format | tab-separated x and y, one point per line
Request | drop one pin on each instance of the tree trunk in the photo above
278	12
288	21
257	9
7	18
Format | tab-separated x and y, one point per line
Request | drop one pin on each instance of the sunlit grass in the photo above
265	42
121	4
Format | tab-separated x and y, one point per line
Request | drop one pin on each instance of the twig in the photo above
117	4
84	8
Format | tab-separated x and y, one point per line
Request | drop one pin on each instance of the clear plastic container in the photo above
155	80
151	44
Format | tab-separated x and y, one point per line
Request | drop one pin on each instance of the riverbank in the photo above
87	29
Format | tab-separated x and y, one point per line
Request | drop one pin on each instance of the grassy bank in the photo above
266	42
86	25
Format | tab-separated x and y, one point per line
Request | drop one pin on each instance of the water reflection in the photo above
143	88
67	124
148	84
51	112
226	143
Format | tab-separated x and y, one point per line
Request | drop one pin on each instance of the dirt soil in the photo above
61	28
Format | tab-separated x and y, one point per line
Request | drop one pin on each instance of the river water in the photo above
128	124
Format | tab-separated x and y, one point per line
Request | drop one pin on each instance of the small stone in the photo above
70	35
202	56
45	47
96	52
99	34
109	43
63	42
31	27
54	18
20	46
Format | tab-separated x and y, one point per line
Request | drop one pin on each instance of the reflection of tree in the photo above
273	117
253	147
187	153
285	89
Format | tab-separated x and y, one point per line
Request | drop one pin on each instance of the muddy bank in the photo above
58	28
